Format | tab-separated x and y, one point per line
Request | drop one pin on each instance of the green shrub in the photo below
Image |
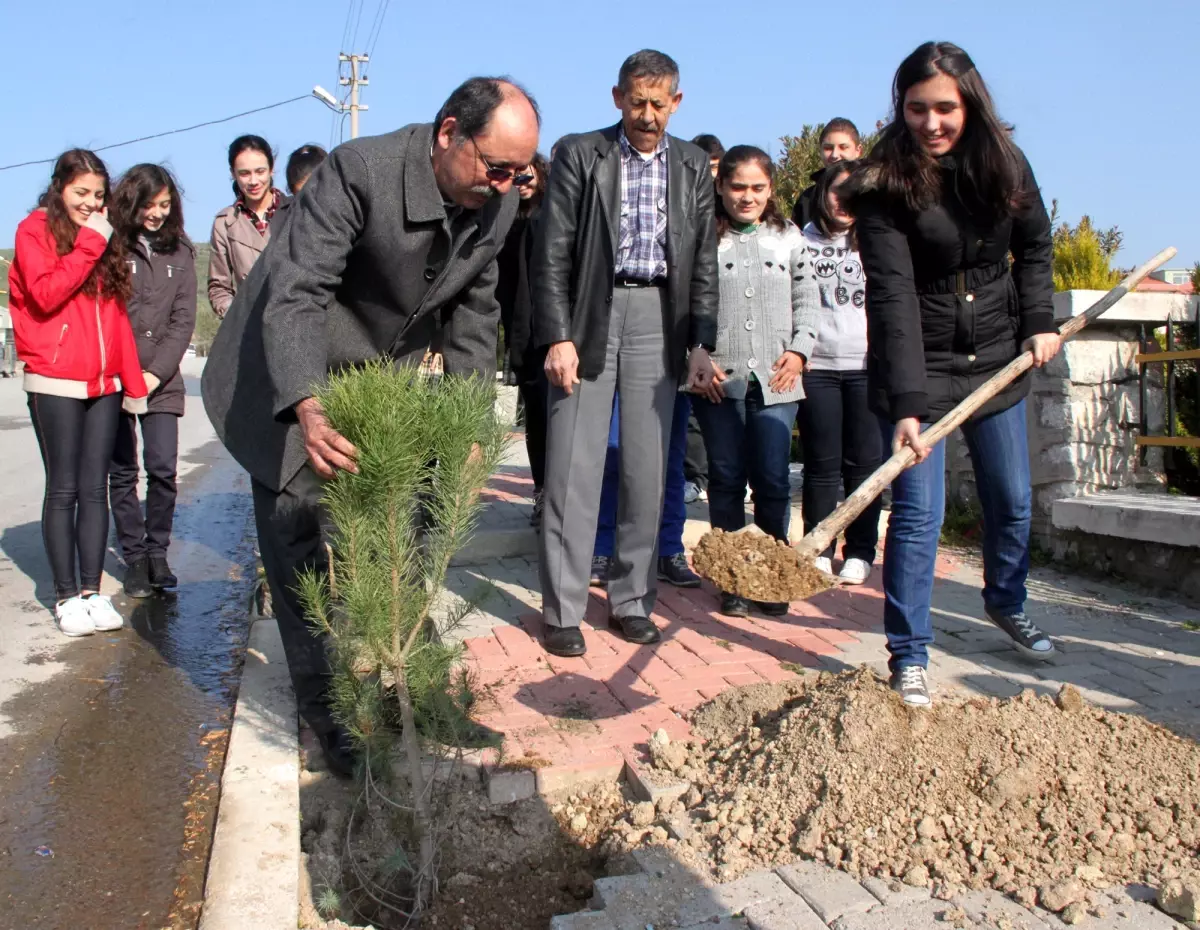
1083	256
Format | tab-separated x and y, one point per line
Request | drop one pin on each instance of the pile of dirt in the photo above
503	867
1046	800
757	566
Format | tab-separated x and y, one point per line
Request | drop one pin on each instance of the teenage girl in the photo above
67	292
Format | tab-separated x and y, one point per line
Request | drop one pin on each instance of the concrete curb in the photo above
254	870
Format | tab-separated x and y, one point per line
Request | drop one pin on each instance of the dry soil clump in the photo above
757	566
1045	800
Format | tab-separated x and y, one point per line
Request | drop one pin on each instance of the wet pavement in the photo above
111	746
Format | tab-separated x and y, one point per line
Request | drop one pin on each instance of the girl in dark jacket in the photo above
942	203
148	216
524	362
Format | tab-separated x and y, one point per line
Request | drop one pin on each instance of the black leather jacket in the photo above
574	255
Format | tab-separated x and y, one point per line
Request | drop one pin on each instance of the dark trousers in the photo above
749	441
535	393
76	441
695	460
292	531
842	447
150	535
674	515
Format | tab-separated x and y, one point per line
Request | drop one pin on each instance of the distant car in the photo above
191	350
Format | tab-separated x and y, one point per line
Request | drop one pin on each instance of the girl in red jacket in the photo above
67	291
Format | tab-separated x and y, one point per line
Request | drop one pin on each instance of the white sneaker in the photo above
824	564
691	492
104	615
74	618
855	571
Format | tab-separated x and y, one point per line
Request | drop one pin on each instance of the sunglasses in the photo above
503	174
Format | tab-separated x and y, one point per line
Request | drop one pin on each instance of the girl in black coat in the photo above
148	215
942	203
525	362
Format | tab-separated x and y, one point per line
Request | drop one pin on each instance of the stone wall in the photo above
1084	410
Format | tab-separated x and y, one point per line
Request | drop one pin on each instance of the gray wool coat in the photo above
363	266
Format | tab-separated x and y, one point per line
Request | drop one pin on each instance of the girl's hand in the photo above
788	367
908	433
1044	347
97	221
712	389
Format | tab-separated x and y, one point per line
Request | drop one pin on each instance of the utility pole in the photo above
354	82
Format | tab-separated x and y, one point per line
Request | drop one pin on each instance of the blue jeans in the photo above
748	441
674	515
1000	456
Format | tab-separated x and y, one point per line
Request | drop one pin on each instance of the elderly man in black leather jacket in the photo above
625	297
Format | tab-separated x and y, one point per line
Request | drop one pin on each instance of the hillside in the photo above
205	321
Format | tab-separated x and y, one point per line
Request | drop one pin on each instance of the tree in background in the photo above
801	156
1083	254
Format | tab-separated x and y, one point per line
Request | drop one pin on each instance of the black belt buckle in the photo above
623	281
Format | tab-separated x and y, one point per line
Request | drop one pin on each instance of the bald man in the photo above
393	240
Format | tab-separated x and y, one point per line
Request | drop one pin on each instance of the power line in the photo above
361	5
378	27
346	27
169	132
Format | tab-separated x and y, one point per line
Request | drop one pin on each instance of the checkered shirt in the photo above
642	246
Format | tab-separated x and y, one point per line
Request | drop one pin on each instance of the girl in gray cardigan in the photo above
765	334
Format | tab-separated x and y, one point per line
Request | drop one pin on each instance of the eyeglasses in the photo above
503	174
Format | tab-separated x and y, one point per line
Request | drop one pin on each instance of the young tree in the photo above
426	447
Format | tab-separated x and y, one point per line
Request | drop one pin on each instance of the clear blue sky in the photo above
1103	93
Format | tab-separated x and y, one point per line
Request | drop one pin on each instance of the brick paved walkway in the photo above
570	720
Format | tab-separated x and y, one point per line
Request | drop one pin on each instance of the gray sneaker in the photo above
912	684
1026	637
600	567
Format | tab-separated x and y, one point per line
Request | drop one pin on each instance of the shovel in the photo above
828	529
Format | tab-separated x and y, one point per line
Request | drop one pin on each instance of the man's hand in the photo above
1044	347
562	366
908	433
787	368
327	449
152	382
701	375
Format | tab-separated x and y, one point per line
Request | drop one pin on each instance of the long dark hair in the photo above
735	157
541	168
989	168
134	191
249	143
822	218
110	276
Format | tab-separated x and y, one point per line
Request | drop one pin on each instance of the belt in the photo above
968	279
623	281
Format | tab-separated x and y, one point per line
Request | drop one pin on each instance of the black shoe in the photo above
1029	640
566	641
539	505
600	567
772	608
137	578
734	606
161	575
338	749
674	569
637	630
911	682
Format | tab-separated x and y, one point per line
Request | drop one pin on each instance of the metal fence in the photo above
1152	354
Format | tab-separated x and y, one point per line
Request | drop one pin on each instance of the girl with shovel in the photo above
942	202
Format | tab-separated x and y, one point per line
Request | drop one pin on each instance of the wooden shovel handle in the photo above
828	529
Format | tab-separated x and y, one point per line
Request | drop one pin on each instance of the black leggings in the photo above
76	438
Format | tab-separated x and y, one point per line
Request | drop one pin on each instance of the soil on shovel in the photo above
1046	800
758	567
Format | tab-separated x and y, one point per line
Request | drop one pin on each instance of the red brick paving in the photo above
575	719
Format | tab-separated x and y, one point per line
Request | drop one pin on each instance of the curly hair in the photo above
110	276
134	191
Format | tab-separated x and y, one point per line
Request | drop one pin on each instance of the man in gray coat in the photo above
392	242
625	295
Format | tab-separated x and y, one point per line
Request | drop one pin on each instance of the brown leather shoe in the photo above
566	641
637	630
